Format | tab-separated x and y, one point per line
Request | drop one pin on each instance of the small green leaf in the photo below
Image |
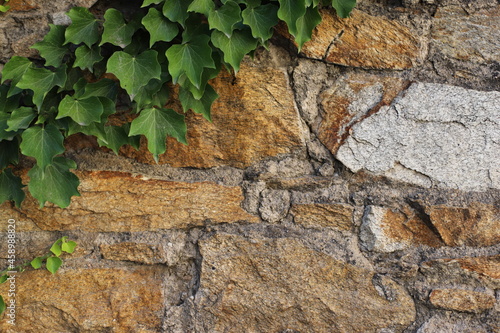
343	7
103	88
2	302
42	143
114	138
261	20
36	263
15	69
134	72
68	247
86	57
116	30
155	124
176	10
20	118
151	2
11	188
290	11
236	47
55	184
83	111
159	27
147	94
9	153
190	58
56	248
84	27
306	25
225	18
201	106
41	81
53	264
201	6
3	278
51	47
7	104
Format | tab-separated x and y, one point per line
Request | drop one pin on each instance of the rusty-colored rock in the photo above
462	300
362	41
88	300
136	252
271	285
337	216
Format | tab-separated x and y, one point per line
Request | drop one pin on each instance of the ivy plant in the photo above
94	67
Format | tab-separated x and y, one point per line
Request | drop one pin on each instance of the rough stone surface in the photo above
270	285
462	300
362	41
88	300
337	216
274	205
136	252
114	201
434	134
450	323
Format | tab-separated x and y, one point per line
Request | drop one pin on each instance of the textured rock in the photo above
250	121
136	252
462	300
114	201
452	323
88	300
477	225
434	134
362	41
270	285
337	216
274	205
387	230
351	99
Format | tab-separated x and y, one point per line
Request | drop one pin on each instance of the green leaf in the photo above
225	18
53	264
84	27
151	2
20	118
102	88
15	69
36	263
42	143
343	7
176	10
261	20
290	11
236	47
2	302
3	278
56	248
147	94
51	47
159	27
306	25
155	124
134	72
41	81
83	111
114	138
11	188
9	152
7	104
201	6
68	247
201	106
190	58
86	57
116	30
55	184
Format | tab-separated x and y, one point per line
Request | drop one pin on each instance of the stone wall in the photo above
352	188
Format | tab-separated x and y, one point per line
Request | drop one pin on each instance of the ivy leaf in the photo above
36	263
202	105
159	27
20	118
51	47
3	306
114	138
134	72
201	6
83	111
155	124
86	57
8	104
4	135
190	58
9	153
68	247
53	264
290	11
84	27
41	81
151	2
261	20
146	95
176	10
116	30
56	248
306	25
236	47
11	188
42	143
225	18
55	184
3	279
14	70
103	88
343	7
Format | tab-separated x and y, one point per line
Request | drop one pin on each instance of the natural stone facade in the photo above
354	187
